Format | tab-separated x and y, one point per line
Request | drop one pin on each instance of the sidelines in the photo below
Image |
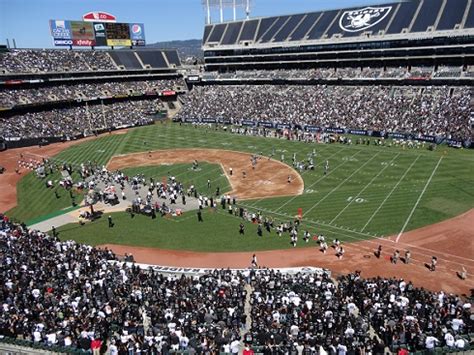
342	183
366	186
325	226
314	183
311	222
418	201
390	193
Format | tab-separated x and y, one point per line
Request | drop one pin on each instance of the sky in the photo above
27	20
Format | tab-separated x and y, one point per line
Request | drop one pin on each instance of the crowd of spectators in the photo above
70	122
12	96
343	73
61	293
49	60
438	111
68	294
355	315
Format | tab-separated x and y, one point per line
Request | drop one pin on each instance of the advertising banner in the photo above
99	32
63	42
334	130
359	132
397	135
119	42
265	124
60	29
102	16
308	270
83	42
312	129
426	138
454	143
208	120
137	34
248	123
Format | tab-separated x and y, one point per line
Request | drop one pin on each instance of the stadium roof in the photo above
408	19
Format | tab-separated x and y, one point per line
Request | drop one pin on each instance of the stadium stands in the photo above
413	16
434	31
126	59
12	96
58	60
172	58
153	59
450	16
434	111
43	91
80	120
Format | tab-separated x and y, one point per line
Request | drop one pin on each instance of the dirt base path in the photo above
9	160
268	179
451	241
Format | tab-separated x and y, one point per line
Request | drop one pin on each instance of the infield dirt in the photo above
268	179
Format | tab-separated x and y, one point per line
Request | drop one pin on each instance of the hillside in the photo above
186	48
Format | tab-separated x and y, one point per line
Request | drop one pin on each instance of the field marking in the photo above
316	165
342	183
366	186
314	183
390	193
419	199
311	222
371	240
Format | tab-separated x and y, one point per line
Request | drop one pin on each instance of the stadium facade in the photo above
414	32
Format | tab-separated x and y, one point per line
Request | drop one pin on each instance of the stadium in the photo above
306	187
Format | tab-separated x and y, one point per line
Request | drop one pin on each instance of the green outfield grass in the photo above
369	190
36	201
219	232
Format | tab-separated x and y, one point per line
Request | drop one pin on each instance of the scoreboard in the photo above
80	33
118	34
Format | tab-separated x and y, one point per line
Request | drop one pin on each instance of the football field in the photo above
369	191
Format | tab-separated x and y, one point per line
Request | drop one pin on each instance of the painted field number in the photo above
357	200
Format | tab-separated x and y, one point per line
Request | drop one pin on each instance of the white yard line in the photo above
418	201
311	222
365	188
314	183
342	183
315	166
390	193
324	227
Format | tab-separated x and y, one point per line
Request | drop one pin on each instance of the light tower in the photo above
210	5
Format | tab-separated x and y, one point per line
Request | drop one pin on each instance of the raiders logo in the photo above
359	20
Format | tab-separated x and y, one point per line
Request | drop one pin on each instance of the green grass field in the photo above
218	232
369	191
36	201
